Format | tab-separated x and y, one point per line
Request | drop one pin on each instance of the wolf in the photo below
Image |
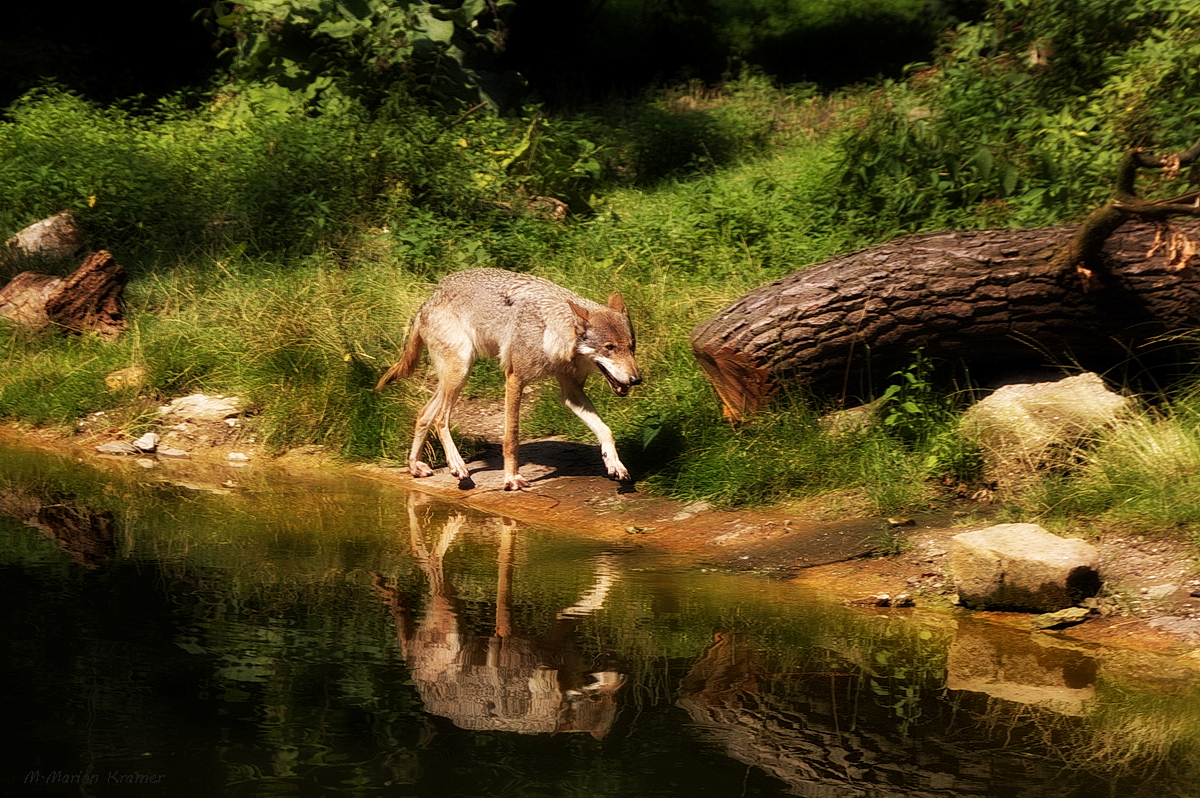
536	329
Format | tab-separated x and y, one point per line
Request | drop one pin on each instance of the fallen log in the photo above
1091	295
88	300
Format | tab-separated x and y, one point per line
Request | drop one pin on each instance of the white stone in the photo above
1027	428
147	443
201	408
1023	567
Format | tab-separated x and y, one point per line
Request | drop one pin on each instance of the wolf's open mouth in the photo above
619	388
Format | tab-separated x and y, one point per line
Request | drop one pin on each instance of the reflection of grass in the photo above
1146	731
1128	730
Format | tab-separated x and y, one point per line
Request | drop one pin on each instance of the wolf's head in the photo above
605	338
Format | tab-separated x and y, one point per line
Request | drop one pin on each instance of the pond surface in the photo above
188	636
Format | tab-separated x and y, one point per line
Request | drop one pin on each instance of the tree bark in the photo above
88	300
992	298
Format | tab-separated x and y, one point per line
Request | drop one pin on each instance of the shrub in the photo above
1030	108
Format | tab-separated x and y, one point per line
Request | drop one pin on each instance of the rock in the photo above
199	408
147	443
120	448
1022	567
237	457
1187	628
174	454
1056	620
851	420
56	238
1025	429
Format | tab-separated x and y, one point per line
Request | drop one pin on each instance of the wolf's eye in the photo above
611	347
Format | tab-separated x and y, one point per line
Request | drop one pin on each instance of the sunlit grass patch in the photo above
1144	474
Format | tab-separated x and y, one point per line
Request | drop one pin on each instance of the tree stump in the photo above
88	300
993	298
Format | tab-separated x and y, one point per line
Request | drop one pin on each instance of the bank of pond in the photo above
240	632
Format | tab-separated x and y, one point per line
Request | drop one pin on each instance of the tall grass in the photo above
1141	476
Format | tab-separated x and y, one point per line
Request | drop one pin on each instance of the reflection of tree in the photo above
503	681
84	533
811	732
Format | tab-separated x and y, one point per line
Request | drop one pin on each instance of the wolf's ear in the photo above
617	303
582	317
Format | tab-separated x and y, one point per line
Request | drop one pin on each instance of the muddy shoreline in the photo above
858	561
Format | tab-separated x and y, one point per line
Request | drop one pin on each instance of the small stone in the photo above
1159	591
237	457
174	454
147	443
146	462
118	448
132	377
200	408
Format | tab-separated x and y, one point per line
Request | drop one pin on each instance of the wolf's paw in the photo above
618	472
516	482
419	469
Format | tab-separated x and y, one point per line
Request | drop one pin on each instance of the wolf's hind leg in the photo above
416	466
453	375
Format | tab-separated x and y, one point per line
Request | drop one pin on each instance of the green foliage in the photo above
1023	116
253	171
58	384
328	50
787	453
923	416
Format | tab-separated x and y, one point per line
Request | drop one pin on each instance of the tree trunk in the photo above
991	298
88	300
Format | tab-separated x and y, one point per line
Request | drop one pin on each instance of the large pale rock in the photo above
1029	428
199	408
58	237
1022	567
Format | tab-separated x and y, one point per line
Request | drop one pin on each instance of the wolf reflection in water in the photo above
504	681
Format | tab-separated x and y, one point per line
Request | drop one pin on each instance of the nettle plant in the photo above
326	48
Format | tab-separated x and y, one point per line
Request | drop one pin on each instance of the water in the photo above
181	636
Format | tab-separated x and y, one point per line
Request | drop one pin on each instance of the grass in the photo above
286	271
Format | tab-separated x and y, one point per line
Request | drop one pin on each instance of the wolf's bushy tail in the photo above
407	362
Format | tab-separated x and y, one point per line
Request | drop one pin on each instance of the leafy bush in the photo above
326	51
1029	110
255	170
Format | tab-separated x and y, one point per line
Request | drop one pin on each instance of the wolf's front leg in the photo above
513	386
578	403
